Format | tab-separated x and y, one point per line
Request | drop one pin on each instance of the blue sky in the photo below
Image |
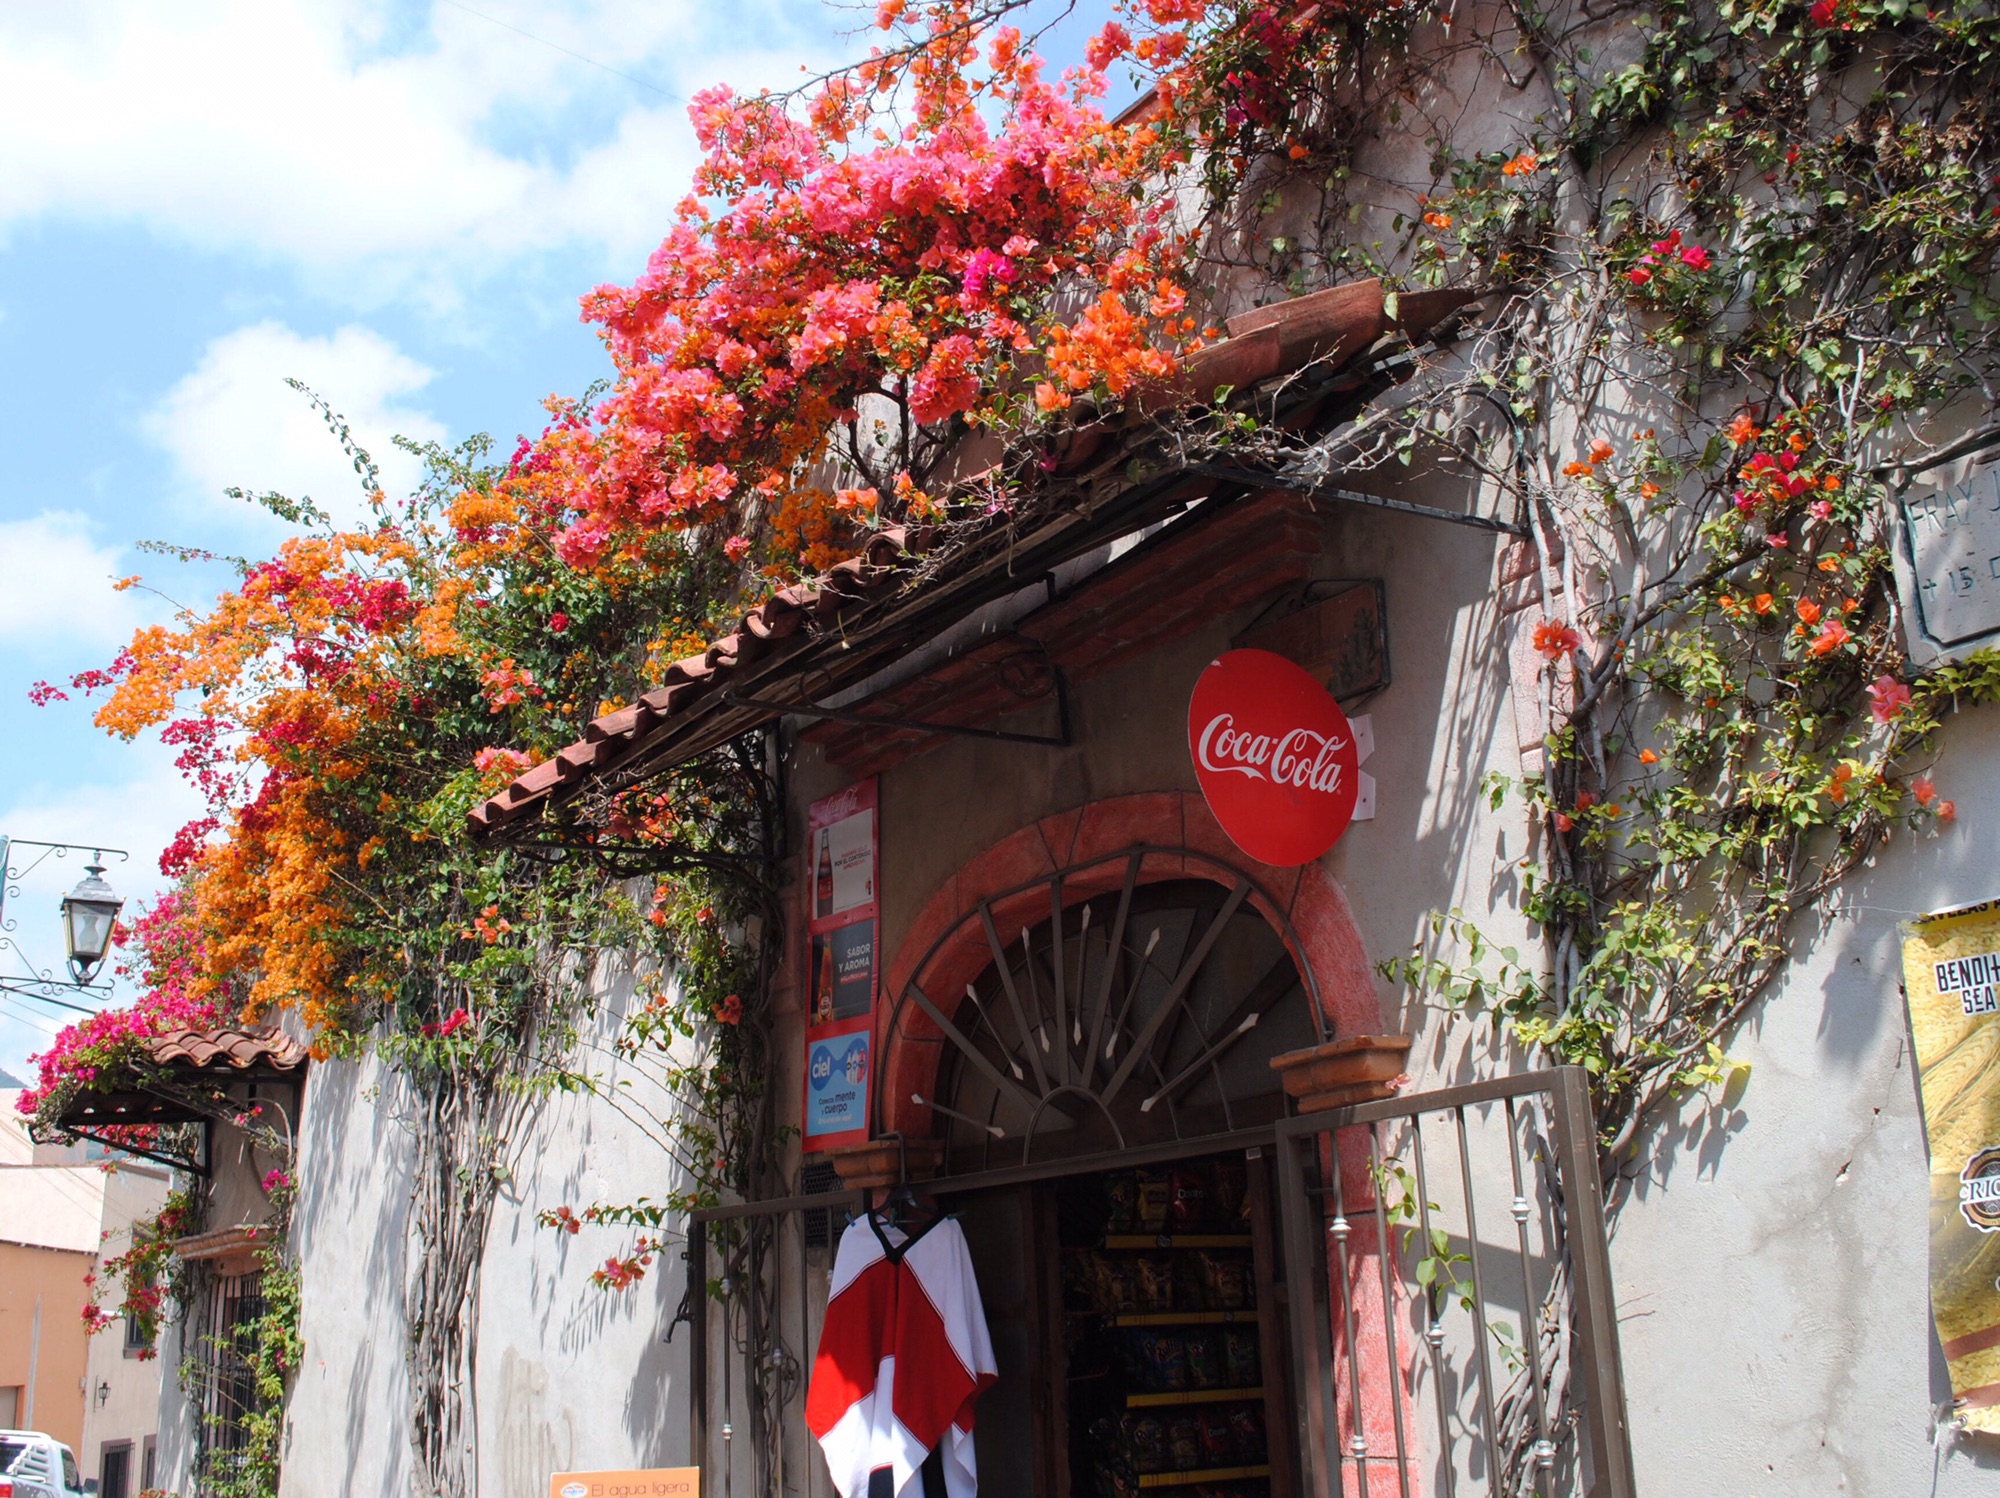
398	203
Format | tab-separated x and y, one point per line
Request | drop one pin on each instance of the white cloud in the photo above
56	587
232	419
350	138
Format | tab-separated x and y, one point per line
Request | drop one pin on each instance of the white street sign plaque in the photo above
1948	561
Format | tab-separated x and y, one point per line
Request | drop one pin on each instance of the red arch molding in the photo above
1303	905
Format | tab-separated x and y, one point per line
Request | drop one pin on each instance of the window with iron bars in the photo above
224	1343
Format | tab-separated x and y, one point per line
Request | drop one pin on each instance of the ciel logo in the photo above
822	1065
1979	1190
1275	756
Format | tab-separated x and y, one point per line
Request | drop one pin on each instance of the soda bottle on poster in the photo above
823	984
823	882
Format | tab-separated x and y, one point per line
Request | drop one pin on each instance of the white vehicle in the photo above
33	1465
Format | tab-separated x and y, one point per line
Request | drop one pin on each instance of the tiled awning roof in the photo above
227	1050
205	1058
810	642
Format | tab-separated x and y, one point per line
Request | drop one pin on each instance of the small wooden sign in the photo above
655	1482
1342	641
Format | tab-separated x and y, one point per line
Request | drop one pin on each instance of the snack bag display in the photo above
1225	1280
1123	1191
1184	1442
1146	1440
1242	1368
1204	1360
1187	1200
1155	1202
1153	1284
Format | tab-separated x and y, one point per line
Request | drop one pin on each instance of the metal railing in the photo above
1451	1310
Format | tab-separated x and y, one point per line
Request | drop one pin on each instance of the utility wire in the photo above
544	41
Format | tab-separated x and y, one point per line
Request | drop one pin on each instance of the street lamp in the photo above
89	914
90	911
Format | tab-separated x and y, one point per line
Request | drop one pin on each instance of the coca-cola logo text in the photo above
1297	757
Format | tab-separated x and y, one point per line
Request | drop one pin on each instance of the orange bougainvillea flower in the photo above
1743	431
1578	470
1601	451
1555	639
1808	611
1832	635
1947	811
1923	790
1521	165
1648	757
1764	603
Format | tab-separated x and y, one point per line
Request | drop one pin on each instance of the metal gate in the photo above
1452	1323
1452	1315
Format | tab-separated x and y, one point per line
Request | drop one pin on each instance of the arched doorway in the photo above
1115	976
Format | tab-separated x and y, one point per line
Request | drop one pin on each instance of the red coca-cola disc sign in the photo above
1275	756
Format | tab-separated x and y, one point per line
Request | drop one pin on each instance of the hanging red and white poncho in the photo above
902	1358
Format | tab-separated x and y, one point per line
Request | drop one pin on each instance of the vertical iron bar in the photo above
1057	978
1082	962
1298	1223
1433	1330
1034	994
1530	1319
1013	997
697	1289
1384	1250
1113	948
1597	1320
1341	1228
1487	1400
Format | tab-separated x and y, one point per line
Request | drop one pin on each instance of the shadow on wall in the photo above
350	1230
572	1376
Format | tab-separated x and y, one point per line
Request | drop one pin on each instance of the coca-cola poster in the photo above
1277	760
842	852
841	898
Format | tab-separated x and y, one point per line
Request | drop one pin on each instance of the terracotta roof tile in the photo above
237	1050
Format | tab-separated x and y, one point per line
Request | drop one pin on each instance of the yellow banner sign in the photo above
1951	976
658	1482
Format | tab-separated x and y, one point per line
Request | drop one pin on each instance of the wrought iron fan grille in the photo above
1141	1013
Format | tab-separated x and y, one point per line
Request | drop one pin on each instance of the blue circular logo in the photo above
822	1067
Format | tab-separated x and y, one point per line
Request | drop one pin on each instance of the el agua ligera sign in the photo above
1276	758
1951	977
656	1482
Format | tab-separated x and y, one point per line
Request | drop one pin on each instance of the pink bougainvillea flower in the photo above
1110	44
558	622
1923	789
736	548
1694	257
1638	275
1947	811
1888	698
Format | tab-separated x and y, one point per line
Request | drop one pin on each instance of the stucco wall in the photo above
1771	1264
570	1376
